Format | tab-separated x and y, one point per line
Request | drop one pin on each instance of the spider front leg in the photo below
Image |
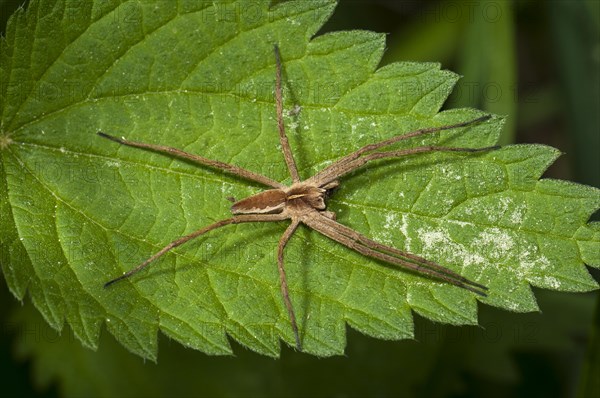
365	246
334	173
403	256
341	166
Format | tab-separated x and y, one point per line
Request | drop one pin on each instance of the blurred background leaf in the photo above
549	90
509	354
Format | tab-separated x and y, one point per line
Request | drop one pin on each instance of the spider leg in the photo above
349	232
229	168
283	279
178	242
285	145
333	173
332	230
339	164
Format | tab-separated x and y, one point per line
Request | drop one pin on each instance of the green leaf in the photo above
488	354
77	210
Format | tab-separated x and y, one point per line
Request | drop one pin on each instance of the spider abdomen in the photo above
266	202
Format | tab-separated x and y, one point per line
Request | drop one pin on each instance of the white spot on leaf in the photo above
440	242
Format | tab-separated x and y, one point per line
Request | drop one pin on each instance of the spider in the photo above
304	202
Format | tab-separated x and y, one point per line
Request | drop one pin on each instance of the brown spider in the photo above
304	202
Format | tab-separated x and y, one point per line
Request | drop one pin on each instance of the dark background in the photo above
537	62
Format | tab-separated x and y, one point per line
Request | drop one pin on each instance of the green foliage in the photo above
77	210
440	352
